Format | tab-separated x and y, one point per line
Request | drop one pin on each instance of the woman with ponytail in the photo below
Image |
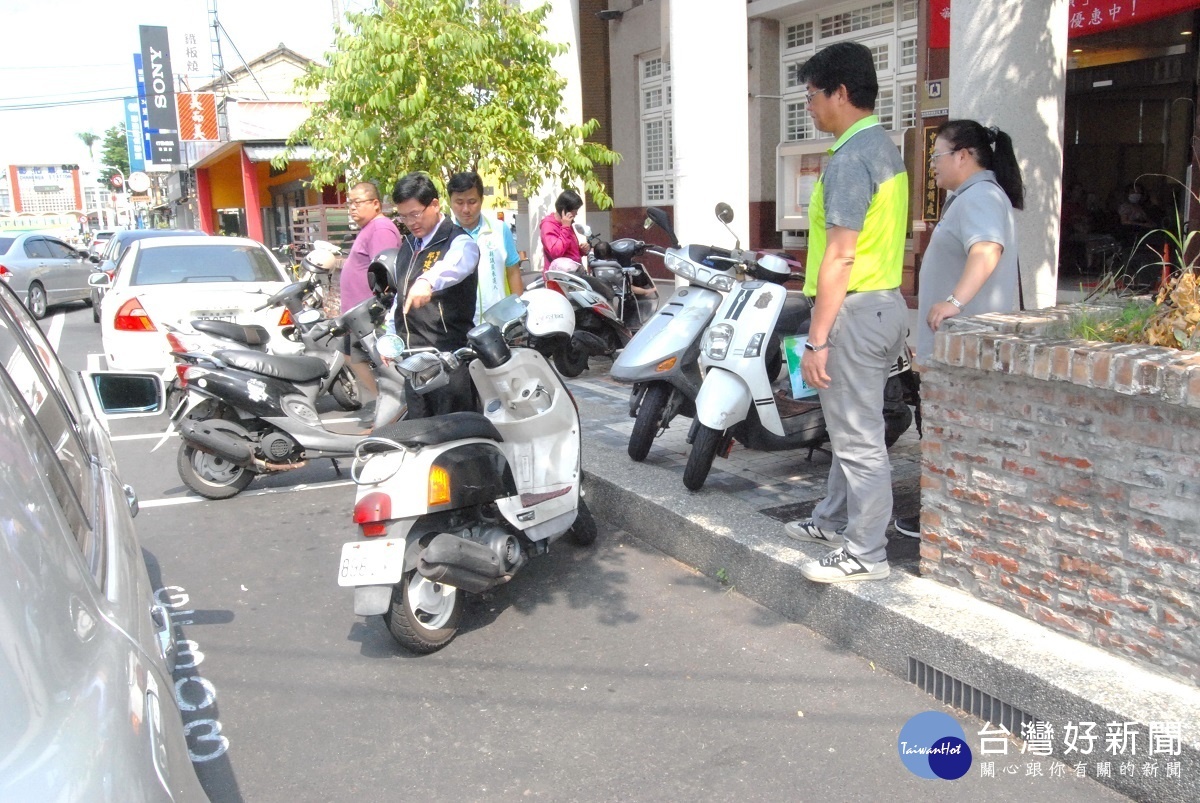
970	266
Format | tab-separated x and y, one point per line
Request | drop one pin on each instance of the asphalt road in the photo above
603	673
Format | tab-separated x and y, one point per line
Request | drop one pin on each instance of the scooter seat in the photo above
440	429
254	335
795	316
291	369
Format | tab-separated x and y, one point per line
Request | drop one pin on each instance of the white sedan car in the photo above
175	280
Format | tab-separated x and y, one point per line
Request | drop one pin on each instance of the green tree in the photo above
444	86
114	155
89	141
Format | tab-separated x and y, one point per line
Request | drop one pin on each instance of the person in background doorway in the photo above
375	233
970	266
859	218
499	264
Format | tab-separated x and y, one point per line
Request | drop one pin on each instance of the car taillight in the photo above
4	272
132	318
372	512
286	318
110	273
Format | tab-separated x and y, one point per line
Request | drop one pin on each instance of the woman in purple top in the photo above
375	233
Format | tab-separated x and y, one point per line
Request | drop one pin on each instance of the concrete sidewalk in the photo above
967	653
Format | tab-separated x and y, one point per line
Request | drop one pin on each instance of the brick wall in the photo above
1061	480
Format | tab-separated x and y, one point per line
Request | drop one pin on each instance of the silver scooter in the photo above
662	360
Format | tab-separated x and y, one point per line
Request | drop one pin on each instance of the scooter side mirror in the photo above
724	213
657	217
308	317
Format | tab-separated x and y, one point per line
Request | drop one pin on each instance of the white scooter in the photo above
458	503
738	398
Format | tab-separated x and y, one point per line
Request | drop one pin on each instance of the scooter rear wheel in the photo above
584	531
424	615
210	476
649	420
700	459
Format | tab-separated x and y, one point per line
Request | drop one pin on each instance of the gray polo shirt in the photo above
977	212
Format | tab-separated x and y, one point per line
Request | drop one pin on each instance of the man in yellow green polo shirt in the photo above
858	216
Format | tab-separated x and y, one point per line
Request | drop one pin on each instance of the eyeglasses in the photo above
413	217
353	202
933	157
808	96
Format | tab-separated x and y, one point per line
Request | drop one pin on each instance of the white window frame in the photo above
654	80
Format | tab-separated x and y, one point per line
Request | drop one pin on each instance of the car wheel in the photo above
424	615
36	301
95	309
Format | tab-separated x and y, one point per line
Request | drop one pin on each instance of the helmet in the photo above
773	268
320	260
549	313
381	273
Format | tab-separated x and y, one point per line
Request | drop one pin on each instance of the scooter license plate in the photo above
368	563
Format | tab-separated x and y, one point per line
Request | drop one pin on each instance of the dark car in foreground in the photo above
86	652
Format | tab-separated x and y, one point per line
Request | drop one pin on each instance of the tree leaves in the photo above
444	86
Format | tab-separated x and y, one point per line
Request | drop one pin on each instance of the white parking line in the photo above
57	322
187	500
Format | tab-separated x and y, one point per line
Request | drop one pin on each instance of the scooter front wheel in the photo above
424	615
570	360
649	420
584	531
345	390
210	476
700	459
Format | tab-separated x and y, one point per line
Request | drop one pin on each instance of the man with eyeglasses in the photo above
858	217
437	282
376	233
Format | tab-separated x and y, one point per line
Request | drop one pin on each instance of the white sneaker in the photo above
807	530
839	566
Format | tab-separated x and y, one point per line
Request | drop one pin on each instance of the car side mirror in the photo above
93	258
99	279
125	394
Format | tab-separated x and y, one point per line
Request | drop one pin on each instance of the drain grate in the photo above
965	697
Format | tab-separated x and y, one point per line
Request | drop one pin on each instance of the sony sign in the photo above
159	81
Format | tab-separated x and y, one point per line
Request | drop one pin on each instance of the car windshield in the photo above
204	263
6	243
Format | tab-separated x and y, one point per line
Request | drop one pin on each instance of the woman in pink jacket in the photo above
558	235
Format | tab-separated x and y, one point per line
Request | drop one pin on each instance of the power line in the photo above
65	94
56	104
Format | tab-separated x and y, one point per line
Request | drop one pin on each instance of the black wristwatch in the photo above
808	344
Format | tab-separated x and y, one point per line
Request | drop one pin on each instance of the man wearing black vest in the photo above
435	301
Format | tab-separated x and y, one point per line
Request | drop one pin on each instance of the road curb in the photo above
972	655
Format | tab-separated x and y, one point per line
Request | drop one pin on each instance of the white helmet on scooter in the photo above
320	260
549	313
772	268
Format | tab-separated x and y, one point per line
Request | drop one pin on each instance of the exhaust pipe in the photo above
465	564
215	442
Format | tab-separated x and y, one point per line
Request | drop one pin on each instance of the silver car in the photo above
86	694
44	271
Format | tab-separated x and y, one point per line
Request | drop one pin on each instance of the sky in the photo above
69	50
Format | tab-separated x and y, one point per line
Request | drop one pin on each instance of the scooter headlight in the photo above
680	267
722	283
717	340
754	349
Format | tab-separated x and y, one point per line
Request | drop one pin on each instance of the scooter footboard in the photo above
724	400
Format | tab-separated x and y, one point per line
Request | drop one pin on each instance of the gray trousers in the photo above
866	339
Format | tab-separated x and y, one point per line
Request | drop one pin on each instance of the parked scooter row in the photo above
736	344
